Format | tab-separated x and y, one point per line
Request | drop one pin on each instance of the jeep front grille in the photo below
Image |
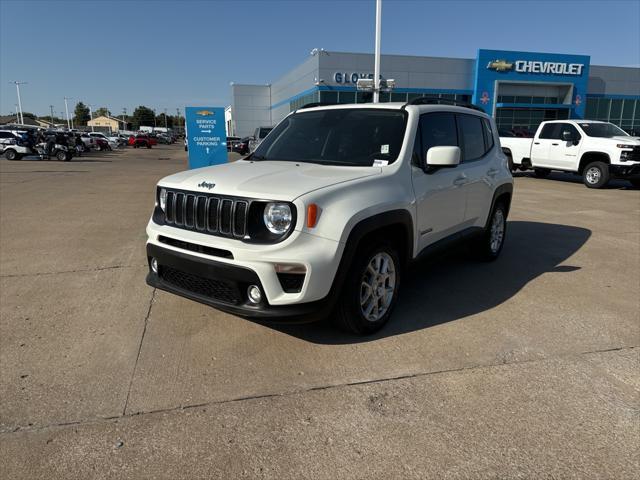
225	217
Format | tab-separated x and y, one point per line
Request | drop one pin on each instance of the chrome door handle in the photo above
555	144
536	143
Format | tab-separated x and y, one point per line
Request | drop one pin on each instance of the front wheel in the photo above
371	290
489	245
596	175
62	156
541	172
12	155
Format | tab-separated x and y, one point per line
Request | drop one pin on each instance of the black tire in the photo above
349	315
148	145
484	247
11	154
510	163
62	156
635	182
596	175
541	172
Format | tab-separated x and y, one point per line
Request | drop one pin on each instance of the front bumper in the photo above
630	170
223	286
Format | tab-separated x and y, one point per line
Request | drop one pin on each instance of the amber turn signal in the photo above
312	215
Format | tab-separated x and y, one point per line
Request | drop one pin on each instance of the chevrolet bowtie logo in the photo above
500	65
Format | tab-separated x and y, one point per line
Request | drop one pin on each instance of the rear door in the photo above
542	142
479	165
440	199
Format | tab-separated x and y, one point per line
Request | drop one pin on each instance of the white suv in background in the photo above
328	211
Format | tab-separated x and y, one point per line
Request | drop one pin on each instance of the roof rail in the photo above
315	104
443	101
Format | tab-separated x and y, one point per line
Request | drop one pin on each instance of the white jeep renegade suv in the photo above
327	212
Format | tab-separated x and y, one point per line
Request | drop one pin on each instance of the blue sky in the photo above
167	54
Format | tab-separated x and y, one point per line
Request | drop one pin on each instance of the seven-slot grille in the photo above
221	216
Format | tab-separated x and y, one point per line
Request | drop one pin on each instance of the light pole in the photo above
17	114
51	110
66	107
155	124
376	69
17	84
124	123
91	116
165	119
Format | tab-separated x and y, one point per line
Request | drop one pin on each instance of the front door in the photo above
440	194
563	153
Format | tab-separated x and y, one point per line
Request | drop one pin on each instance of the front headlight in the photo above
277	217
624	145
163	199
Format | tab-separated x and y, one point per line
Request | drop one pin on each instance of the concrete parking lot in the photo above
522	368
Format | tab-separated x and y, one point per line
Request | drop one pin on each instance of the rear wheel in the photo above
62	156
489	245
510	163
371	290
596	175
541	172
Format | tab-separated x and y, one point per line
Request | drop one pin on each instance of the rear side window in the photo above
551	131
436	130
471	137
488	135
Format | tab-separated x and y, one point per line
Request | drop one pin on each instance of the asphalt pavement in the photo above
527	367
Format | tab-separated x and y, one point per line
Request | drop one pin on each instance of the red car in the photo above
140	141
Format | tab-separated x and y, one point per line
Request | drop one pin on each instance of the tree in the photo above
161	123
102	111
142	116
81	114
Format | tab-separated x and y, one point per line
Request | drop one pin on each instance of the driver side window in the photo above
435	130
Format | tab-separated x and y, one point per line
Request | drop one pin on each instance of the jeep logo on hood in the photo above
206	185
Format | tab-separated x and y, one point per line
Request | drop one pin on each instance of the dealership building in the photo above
519	89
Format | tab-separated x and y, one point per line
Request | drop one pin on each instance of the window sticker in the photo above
384	148
380	163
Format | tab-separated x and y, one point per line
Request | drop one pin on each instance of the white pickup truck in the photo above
595	150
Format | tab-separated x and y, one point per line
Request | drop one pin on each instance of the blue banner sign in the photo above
206	136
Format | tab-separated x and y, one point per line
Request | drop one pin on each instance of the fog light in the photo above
254	293
154	265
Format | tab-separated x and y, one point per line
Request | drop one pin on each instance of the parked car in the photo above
164	138
354	194
140	141
242	147
598	151
114	141
232	142
12	145
89	141
259	135
153	139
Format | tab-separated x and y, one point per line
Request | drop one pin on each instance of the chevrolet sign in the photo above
532	66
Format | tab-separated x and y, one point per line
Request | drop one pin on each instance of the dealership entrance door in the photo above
523	120
522	106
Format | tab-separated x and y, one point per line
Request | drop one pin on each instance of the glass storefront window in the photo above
603	109
347	97
398	97
328	97
627	109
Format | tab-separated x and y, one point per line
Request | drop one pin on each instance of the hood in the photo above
265	179
628	140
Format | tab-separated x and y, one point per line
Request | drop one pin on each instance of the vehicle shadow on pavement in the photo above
449	287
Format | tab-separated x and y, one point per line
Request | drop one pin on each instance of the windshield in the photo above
346	136
604	130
